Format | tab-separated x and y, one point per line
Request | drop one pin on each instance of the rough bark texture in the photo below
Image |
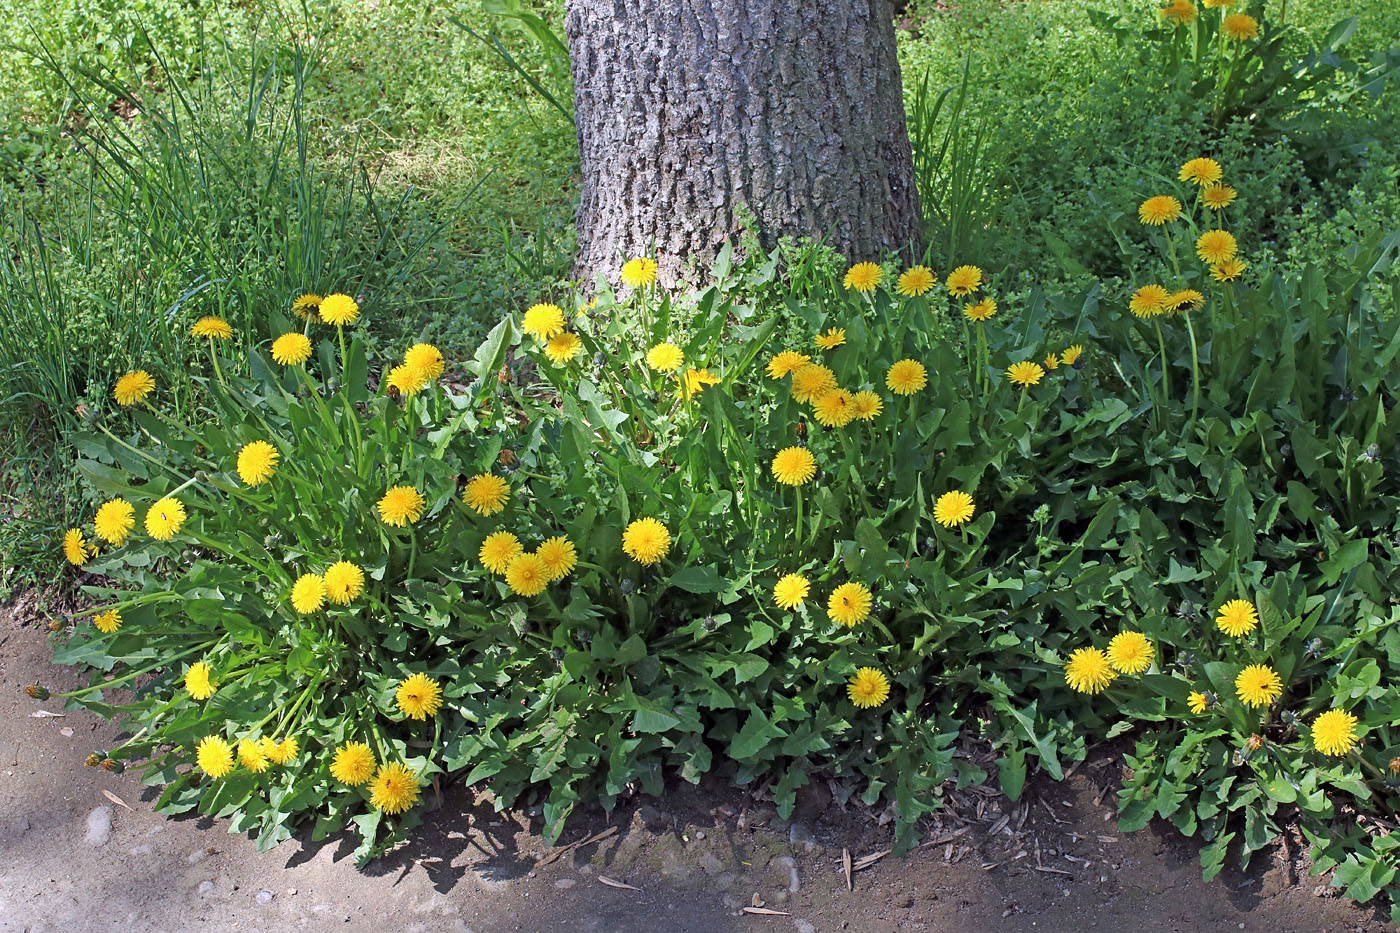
689	111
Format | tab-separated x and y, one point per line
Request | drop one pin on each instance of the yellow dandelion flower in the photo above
665	357
1202	171
164	518
527	575
906	377
1088	670
400	506
339	310
835	409
1025	373
215	328
786	362
863	277
343	581
562	348
1052	362
214	756
868	688
832	339
486	493
114	521
1216	246
1258	685
394	789
418	696
1148	301
811	380
353	764
866	405
638	272
406	380
1162	208
498	550
1130	652
256	462
953	509
1212	4
1218	197
794	466
849	604
1071	354
133	387
425	358
308	593
75	547
1334	732
291	349
646	540
915	281
964	280
791	591
1229	270
693	381
199	681
1187	299
1237	617
543	321
108	622
306	307
981	311
1196	702
282	752
558	555
1240	26
1180	12
252	755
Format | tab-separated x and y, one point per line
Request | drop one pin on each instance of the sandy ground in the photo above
72	860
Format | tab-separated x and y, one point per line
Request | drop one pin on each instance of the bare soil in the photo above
694	859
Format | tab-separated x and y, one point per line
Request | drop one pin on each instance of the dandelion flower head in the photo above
906	377
486	493
114	521
646	540
418	696
791	591
868	688
849	604
133	387
1088	670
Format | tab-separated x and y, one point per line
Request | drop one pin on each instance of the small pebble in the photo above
99	826
206	888
291	891
265	896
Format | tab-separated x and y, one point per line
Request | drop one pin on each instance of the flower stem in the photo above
1195	375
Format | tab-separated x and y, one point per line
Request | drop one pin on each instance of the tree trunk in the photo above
691	113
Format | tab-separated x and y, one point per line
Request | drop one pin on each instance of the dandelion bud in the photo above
95	759
87	413
508	457
1394	766
503	375
56	624
627	587
1288	717
37	692
1254	742
112	765
709	624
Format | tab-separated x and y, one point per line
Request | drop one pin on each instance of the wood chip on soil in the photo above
116	800
618	884
767	912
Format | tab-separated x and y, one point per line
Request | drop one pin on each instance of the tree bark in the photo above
692	112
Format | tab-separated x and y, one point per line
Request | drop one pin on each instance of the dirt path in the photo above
71	860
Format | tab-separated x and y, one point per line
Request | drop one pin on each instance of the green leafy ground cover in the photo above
1242	450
